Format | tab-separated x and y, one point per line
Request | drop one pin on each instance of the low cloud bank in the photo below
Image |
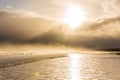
19	27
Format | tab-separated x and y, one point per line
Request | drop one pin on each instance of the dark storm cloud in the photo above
20	25
100	23
100	34
17	27
104	33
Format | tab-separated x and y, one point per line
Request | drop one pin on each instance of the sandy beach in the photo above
7	61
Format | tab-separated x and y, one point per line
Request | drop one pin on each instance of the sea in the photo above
74	66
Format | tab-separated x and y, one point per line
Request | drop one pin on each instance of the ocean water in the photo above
72	67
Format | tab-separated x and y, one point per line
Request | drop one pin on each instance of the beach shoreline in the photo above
8	61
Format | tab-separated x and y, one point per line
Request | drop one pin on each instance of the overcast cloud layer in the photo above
102	32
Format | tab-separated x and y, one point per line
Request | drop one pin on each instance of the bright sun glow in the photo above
74	16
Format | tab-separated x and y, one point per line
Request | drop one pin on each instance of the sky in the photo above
40	22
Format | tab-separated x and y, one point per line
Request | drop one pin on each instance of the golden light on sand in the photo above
74	16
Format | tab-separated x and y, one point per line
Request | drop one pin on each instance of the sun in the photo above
74	16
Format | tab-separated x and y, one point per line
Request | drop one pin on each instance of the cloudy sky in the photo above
42	22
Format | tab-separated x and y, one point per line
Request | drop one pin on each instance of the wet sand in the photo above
8	61
73	67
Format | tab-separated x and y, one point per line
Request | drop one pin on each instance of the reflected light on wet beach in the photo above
75	66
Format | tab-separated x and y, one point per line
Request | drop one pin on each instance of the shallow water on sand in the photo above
73	67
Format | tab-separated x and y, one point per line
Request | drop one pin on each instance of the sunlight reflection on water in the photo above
75	66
